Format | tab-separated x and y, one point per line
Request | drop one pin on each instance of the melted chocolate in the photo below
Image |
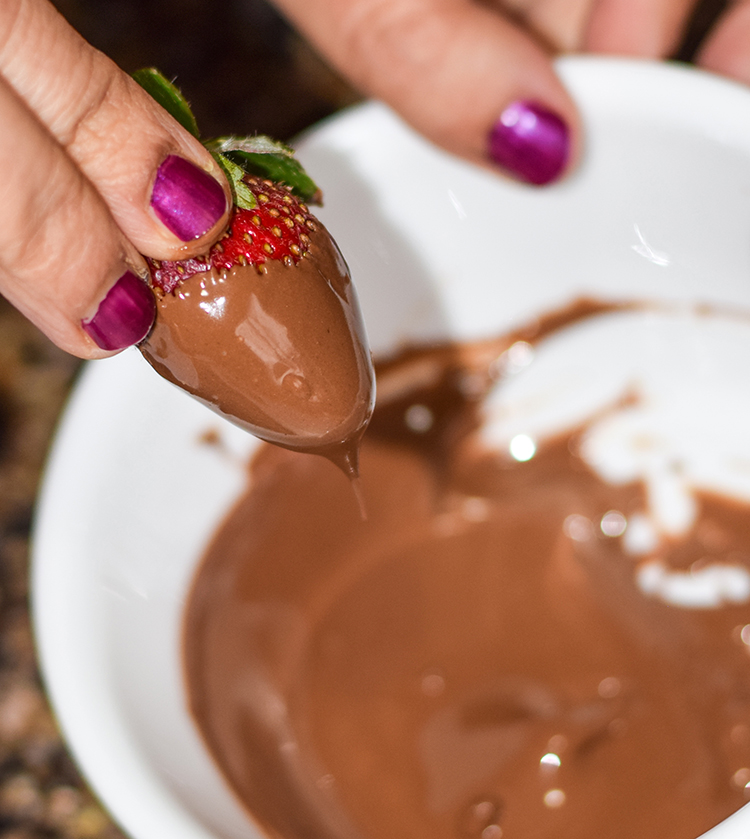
458	665
281	353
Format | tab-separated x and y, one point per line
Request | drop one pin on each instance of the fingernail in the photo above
187	200
125	316
531	142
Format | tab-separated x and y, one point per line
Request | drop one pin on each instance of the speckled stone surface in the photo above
41	793
243	72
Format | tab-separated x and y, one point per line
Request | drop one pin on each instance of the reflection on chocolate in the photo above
281	353
473	661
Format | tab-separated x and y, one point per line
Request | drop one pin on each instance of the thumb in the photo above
459	72
163	189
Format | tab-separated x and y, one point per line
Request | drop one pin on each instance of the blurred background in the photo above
244	70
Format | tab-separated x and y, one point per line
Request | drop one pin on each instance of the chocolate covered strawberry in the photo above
265	328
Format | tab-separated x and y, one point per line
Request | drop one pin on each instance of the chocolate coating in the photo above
458	666
280	352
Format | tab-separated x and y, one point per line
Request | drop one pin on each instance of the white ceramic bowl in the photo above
660	209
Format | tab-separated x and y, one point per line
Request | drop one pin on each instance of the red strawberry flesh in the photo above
278	228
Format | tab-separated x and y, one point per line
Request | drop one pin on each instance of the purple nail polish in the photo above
530	142
125	316
187	200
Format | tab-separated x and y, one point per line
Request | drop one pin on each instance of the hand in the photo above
475	76
653	28
94	173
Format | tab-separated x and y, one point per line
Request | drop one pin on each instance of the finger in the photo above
643	28
458	72
163	188
727	49
80	290
559	23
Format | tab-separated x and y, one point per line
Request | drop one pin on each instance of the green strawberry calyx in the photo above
238	156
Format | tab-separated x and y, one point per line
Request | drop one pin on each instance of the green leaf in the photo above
241	192
168	96
270	159
286	170
257	143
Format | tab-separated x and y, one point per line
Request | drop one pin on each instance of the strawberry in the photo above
265	328
278	227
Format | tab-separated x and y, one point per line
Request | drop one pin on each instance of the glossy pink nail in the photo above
187	200
125	316
531	142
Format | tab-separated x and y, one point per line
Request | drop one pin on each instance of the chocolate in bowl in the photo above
484	656
133	494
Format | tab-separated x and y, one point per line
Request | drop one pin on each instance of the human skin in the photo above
80	151
95	174
452	67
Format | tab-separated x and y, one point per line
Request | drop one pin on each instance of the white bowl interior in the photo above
659	209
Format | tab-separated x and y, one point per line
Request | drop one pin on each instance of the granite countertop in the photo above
244	72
